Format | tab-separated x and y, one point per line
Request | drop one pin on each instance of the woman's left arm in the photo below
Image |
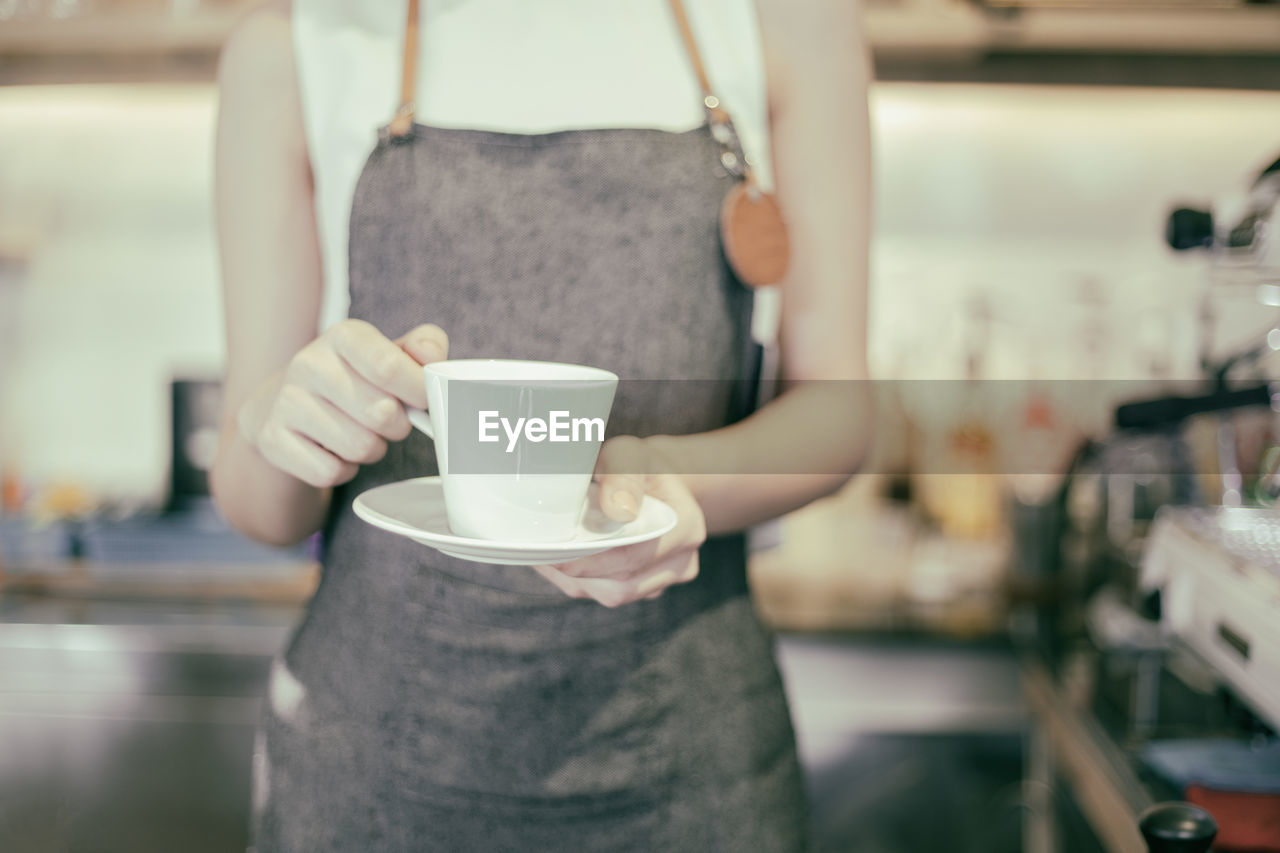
816	433
818	69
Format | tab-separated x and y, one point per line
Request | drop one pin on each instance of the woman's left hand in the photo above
629	468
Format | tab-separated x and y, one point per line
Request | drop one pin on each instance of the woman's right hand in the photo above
340	399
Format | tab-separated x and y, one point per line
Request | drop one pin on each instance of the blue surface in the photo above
24	541
196	535
1223	765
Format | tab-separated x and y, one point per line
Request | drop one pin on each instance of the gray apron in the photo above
436	704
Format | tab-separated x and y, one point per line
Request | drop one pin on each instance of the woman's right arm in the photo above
300	412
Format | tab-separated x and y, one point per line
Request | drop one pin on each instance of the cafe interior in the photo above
1045	614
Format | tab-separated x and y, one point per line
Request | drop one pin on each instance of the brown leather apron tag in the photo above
754	235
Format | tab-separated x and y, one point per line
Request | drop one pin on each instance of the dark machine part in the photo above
1177	828
194	440
1189	228
1161	412
1244	241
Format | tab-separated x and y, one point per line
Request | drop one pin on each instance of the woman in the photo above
555	199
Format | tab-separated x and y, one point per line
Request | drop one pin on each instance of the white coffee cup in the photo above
502	478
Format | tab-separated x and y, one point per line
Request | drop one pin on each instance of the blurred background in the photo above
1008	656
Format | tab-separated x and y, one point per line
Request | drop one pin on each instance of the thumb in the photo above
620	471
425	344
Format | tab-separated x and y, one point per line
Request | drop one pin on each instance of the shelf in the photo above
123	33
135	42
937	30
278	583
138	41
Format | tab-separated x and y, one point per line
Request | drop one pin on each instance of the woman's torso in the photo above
438	700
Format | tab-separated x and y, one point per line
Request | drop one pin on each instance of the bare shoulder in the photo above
257	58
797	26
257	79
815	52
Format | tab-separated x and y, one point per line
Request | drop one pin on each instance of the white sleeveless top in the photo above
515	67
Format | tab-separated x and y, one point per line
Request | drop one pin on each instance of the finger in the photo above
304	459
562	582
610	593
620	471
606	591
621	563
328	426
323	372
628	561
426	343
667	574
655	583
380	361
615	592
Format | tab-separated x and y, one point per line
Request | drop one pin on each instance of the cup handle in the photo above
420	419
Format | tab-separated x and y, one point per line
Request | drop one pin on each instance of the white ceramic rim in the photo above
386	522
516	370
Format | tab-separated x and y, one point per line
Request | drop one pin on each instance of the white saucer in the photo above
415	508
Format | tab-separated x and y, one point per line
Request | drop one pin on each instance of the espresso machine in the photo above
1170	569
1217	567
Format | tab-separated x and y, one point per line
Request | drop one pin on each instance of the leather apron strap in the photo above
721	124
752	226
402	122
